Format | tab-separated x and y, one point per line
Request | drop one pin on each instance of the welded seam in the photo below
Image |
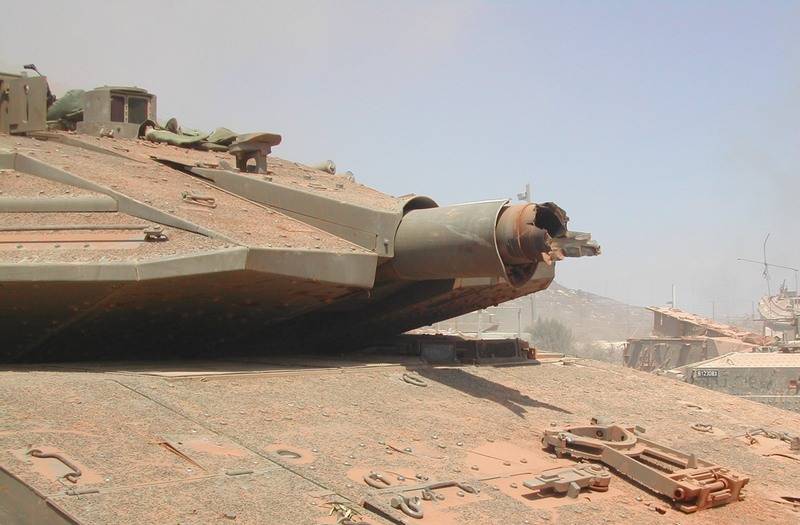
232	438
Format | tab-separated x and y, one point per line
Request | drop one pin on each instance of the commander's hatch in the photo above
116	111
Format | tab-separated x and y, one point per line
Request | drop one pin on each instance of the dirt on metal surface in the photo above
88	239
280	170
153	183
18	184
255	442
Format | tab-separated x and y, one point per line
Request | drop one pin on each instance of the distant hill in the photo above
591	317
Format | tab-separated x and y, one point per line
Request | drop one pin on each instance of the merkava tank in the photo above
124	237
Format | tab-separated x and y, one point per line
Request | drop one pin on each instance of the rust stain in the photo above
206	446
289	453
504	457
169	447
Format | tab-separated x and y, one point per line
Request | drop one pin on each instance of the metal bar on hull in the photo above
82	203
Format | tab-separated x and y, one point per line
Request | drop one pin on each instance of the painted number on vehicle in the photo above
706	373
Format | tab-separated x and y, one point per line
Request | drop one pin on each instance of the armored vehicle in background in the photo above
120	236
780	314
680	338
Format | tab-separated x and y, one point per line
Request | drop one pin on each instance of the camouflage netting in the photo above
67	110
172	133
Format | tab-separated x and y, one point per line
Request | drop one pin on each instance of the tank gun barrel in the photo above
481	239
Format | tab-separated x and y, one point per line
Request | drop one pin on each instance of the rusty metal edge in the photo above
346	269
231	259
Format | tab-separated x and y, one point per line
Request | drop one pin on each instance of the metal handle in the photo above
72	477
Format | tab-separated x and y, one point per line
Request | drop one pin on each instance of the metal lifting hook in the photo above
72	477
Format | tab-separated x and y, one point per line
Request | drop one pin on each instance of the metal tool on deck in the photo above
201	200
376	480
571	480
345	514
692	484
411	507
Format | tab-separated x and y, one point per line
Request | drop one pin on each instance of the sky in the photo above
669	130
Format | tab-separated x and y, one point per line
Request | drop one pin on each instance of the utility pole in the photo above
526	196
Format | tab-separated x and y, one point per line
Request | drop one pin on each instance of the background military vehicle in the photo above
131	237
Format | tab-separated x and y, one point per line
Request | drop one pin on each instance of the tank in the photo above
125	237
121	236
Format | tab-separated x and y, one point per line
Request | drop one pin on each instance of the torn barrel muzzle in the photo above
482	239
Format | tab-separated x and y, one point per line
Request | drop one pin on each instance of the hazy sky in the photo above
671	131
